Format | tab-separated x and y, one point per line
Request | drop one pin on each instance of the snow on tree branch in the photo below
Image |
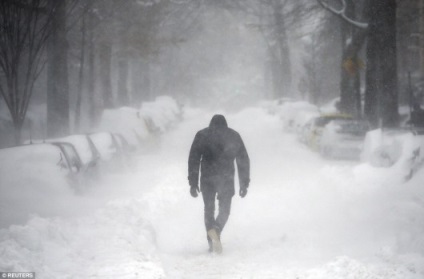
342	13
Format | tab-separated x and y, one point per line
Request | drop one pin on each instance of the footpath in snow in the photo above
303	217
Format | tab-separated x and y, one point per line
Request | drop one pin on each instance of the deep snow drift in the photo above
303	217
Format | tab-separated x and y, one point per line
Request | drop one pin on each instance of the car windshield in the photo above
352	127
322	121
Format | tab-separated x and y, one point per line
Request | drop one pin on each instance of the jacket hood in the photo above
218	121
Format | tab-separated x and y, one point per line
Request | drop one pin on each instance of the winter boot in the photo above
216	242
210	250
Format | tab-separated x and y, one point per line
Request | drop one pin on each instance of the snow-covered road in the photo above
303	217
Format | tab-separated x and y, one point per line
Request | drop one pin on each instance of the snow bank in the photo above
345	267
30	177
116	242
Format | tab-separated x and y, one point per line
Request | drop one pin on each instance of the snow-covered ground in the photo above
303	217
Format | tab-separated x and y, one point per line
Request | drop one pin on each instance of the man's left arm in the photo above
243	167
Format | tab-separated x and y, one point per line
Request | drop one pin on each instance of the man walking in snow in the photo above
212	155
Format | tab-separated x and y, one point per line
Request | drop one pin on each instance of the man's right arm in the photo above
243	165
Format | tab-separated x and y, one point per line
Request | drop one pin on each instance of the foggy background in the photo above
104	54
78	58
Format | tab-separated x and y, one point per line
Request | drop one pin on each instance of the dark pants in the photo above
224	204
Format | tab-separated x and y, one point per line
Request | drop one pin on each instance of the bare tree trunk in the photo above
105	62
57	84
421	32
93	106
347	90
352	41
371	100
388	56
315	82
80	77
147	80
136	83
381	98
275	75
122	82
283	52
17	125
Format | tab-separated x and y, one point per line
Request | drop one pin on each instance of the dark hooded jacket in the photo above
213	153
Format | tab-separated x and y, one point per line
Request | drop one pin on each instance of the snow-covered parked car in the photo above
343	138
44	165
32	176
126	122
114	150
161	114
402	150
125	149
312	131
273	106
87	151
332	107
384	147
106	144
123	145
295	114
83	151
71	160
